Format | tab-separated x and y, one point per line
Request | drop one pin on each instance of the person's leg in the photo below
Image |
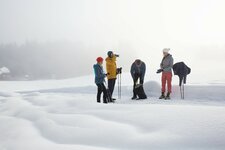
169	82
99	93
163	82
104	93
110	85
113	86
135	79
141	80
169	86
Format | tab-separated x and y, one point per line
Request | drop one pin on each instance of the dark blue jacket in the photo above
99	74
182	71
138	70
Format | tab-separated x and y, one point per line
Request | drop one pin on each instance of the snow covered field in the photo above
64	115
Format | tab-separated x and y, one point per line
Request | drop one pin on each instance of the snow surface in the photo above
64	115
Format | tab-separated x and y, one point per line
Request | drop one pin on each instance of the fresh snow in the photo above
64	115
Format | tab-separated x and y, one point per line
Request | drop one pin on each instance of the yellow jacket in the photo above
111	67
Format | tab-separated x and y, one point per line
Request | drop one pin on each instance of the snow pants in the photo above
166	79
101	88
111	85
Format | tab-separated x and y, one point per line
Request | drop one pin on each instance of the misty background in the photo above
45	39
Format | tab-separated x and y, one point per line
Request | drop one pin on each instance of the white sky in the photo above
193	29
154	21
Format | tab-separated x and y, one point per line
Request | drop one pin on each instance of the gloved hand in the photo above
159	70
119	70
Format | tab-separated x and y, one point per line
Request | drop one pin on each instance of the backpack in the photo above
139	90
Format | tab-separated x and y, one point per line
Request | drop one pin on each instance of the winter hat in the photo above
99	59
110	53
166	50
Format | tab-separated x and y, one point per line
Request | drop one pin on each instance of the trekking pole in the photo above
181	93
118	82
120	86
183	90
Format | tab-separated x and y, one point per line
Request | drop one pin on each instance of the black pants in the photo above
101	88
135	79
111	85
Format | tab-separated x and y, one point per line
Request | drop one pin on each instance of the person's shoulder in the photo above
107	59
133	64
95	66
114	57
170	56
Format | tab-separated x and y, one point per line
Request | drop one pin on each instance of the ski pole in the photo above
120	86
180	92
118	82
183	90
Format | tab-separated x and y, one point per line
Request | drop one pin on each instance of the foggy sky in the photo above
183	21
193	29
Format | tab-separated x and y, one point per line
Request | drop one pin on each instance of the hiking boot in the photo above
162	96
105	100
167	96
134	98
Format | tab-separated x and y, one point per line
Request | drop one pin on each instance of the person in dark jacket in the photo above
137	71
166	69
100	79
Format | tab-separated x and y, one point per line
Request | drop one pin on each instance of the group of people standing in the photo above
137	70
111	75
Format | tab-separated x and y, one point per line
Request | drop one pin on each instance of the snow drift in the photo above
64	115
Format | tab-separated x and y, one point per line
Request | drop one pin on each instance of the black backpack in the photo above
139	90
182	70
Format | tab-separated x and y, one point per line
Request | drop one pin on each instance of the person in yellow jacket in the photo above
111	69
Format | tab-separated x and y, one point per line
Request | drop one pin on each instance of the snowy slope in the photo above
64	115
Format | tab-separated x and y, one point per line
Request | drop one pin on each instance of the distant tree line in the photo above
56	60
32	61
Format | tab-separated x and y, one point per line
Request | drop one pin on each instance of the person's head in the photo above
110	54
138	61
99	60
166	51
